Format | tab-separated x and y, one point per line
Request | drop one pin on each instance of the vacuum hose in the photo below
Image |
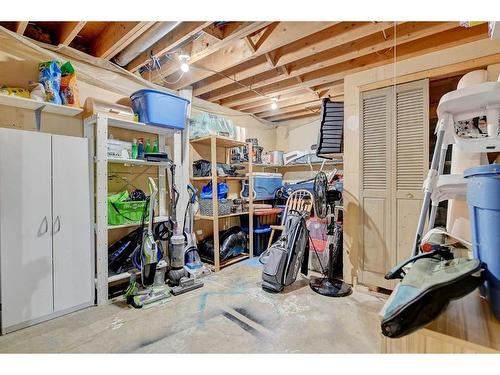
175	276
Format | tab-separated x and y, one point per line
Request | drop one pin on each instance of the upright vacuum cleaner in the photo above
185	264
147	293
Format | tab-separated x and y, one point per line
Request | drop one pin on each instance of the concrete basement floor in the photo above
230	314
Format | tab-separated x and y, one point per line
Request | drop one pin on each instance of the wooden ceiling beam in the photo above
298	117
116	36
68	31
286	89
239	52
20	27
282	103
265	101
199	51
282	110
250	43
214	31
405	32
179	35
313	111
454	37
335	35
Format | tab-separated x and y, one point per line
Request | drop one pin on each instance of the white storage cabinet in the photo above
46	258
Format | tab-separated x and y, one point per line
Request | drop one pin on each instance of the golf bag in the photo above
283	260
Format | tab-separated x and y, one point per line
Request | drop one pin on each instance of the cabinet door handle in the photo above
41	231
58	222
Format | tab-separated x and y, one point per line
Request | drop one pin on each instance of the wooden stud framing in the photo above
69	30
441	72
283	103
313	111
215	202
21	26
265	101
214	31
429	44
238	52
405	32
241	64
334	35
282	110
116	36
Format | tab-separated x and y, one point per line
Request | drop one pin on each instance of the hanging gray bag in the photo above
287	256
425	291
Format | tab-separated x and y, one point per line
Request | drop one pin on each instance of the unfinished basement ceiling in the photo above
244	65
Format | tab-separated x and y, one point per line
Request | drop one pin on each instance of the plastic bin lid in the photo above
259	230
265	174
145	91
493	169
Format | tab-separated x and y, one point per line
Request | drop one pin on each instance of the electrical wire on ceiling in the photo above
248	87
156	65
387	50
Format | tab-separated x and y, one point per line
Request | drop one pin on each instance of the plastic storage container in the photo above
264	185
263	217
160	108
483	199
260	239
207	207
122	212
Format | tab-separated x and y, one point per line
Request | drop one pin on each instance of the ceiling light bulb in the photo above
274	103
184	65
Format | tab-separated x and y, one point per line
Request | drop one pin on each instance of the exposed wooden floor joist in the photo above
243	65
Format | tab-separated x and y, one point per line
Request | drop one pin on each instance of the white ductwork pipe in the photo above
146	40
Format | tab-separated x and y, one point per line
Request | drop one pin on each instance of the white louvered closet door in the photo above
375	185
411	162
394	162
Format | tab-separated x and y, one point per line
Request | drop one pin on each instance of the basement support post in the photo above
181	158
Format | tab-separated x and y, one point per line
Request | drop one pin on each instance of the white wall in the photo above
297	134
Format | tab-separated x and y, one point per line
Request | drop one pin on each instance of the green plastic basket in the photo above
122	212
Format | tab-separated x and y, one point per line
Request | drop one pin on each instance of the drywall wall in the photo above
451	60
297	134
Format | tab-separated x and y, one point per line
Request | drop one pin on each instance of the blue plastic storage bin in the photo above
159	108
264	185
483	199
260	238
